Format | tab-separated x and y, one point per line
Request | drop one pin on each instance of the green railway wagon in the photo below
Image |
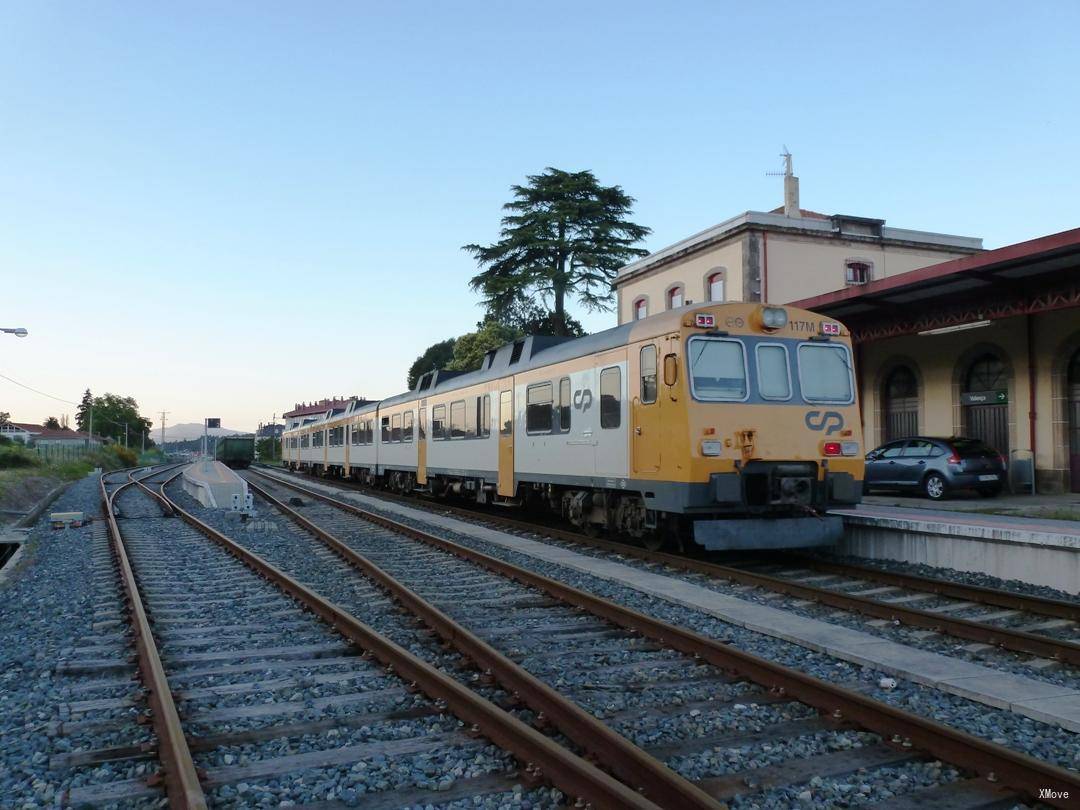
235	451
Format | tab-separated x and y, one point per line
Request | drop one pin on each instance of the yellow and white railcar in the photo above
730	424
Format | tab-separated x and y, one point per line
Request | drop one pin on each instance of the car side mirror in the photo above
872	455
671	369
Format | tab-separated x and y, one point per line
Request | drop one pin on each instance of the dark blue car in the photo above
934	466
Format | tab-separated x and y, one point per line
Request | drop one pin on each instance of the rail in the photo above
996	762
182	786
572	774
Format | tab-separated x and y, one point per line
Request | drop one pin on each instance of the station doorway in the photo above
1073	387
901	404
985	401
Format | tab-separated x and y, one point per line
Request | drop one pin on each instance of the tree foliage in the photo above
82	413
5	417
111	414
470	348
438	355
52	423
564	237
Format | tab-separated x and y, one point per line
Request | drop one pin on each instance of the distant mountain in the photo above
191	430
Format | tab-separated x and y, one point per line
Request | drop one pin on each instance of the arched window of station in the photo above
641	308
714	285
901	396
1073	382
984	397
675	296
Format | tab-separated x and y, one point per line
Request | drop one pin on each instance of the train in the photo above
236	452
728	426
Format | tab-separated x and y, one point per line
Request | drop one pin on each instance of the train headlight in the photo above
711	448
773	317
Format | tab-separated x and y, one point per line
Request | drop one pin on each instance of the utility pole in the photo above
144	441
163	431
125	435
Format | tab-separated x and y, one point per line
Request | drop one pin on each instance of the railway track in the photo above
1048	629
785	703
264	691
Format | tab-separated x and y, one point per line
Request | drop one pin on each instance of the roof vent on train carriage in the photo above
425	381
489	358
515	355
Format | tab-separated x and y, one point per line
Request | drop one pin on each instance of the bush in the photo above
15	455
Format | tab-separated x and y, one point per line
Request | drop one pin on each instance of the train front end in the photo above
772	427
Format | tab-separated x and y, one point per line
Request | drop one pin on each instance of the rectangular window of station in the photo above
564	405
457	419
407	426
385	430
773	375
610	398
506	413
438	423
395	428
648	375
857	272
538	408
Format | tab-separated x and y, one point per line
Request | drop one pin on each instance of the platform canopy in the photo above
1027	278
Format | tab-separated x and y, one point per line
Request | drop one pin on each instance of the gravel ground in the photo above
671	725
40	623
1040	740
212	589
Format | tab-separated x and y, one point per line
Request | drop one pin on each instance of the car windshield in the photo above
825	373
973	448
717	369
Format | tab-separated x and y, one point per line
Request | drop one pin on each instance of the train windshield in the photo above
717	369
825	373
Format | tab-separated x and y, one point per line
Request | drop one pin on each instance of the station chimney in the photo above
791	188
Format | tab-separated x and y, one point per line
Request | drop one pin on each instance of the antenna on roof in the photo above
791	186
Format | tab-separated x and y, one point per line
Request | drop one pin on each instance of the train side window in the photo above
472	415
421	432
773	372
564	405
506	413
648	374
385	438
538	408
407	426
395	428
457	419
483	402
438	423
356	432
610	398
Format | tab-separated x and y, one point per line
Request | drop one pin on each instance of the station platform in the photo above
1032	698
1042	551
214	485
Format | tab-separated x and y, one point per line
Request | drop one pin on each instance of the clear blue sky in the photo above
243	183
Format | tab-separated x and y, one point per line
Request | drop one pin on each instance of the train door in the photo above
421	446
645	413
325	450
610	442
506	443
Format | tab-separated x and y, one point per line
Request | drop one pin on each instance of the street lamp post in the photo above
17	331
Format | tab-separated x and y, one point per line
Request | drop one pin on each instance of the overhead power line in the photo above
42	393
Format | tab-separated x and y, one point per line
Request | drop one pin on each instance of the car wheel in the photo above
989	492
935	487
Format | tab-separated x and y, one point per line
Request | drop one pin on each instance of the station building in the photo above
986	345
778	256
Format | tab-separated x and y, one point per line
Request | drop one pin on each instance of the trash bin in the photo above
1021	472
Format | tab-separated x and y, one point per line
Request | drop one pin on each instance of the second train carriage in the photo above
735	425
